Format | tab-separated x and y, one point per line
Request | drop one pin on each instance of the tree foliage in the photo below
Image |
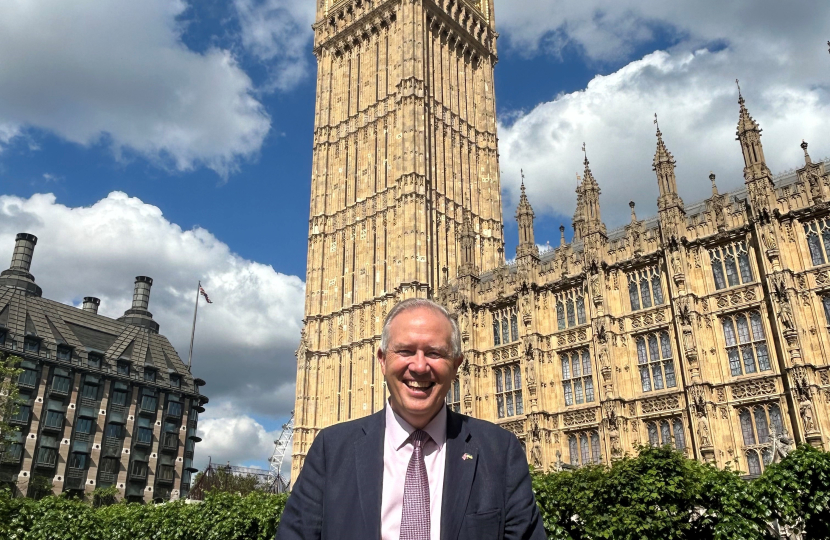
223	480
658	494
9	394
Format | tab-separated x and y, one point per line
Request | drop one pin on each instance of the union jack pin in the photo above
465	457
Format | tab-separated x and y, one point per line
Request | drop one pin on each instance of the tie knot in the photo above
419	437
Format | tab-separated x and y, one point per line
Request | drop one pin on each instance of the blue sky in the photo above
199	115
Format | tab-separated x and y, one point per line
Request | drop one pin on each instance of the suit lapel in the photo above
369	466
459	471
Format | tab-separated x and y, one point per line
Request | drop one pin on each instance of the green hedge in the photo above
657	495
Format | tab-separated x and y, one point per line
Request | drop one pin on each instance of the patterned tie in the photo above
415	516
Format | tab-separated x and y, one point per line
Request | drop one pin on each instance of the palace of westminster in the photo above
705	327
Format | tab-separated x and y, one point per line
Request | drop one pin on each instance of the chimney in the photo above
18	276
91	304
138	315
141	295
24	247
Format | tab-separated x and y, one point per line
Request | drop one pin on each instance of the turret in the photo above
524	218
18	276
588	218
664	166
138	315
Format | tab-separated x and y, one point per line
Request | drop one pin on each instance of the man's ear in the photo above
459	362
382	361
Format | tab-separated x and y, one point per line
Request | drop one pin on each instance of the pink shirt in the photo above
397	451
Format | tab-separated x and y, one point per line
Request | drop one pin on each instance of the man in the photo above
415	470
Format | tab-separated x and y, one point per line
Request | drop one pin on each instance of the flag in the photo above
203	293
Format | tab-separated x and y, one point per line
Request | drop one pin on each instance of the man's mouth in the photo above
419	385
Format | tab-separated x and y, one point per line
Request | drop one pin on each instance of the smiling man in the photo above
415	470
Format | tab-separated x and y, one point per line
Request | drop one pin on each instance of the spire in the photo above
588	219
562	235
807	159
664	166
749	135
714	185
633	213
524	217
745	122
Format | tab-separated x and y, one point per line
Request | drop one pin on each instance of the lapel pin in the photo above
465	457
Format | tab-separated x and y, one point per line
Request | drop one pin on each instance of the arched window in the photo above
496	333
454	396
679	434
645	288
730	265
570	308
654	356
653	435
577	377
560	315
747	348
753	463
818	238
509	399
572	447
514	327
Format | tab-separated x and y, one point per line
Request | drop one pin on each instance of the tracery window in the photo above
667	432
756	424
746	344
654	356
645	289
584	448
730	265
509	391
570	308
825	301
818	238
454	396
577	377
505	326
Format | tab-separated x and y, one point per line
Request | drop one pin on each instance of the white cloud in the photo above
783	67
245	340
278	33
117	73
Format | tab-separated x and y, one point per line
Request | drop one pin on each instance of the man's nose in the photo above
419	364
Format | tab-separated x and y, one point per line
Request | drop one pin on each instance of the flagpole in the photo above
193	332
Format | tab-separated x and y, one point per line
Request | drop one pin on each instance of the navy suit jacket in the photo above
338	493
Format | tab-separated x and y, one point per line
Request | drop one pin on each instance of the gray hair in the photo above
414	303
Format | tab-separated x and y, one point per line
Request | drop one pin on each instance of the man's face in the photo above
418	367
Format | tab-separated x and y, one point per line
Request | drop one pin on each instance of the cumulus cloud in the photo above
278	33
245	340
117	73
777	51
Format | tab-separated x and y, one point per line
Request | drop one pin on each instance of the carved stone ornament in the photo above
753	389
703	433
659	404
808	417
676	265
574	418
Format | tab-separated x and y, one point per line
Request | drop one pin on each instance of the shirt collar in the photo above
398	430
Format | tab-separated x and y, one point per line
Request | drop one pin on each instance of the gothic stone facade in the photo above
705	327
103	402
404	158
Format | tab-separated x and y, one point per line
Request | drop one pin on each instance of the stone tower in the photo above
405	159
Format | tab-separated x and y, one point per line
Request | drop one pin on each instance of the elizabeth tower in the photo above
405	170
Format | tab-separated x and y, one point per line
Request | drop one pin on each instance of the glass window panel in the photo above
657	371
119	398
665	432
60	384
580	398
734	362
653	350
456	390
753	463
641	350
586	363
766	456
633	295
519	403
743	329
508	380
825	235
749	360
679	435
496	337
114	431
514	327
826	301
775	419
505	330
729	333
580	309
576	365
761	426
78	460
517	378
509	399
645	378
84	426
500	405
595	450
645	293
574	451
571	315
90	391
657	289
763	357
560	315
816	252
757	325
653	437
566	367
717	271
731	270
665	345
569	393
54	419
746	270
746	428
589	390
671	379
583	443
499	387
